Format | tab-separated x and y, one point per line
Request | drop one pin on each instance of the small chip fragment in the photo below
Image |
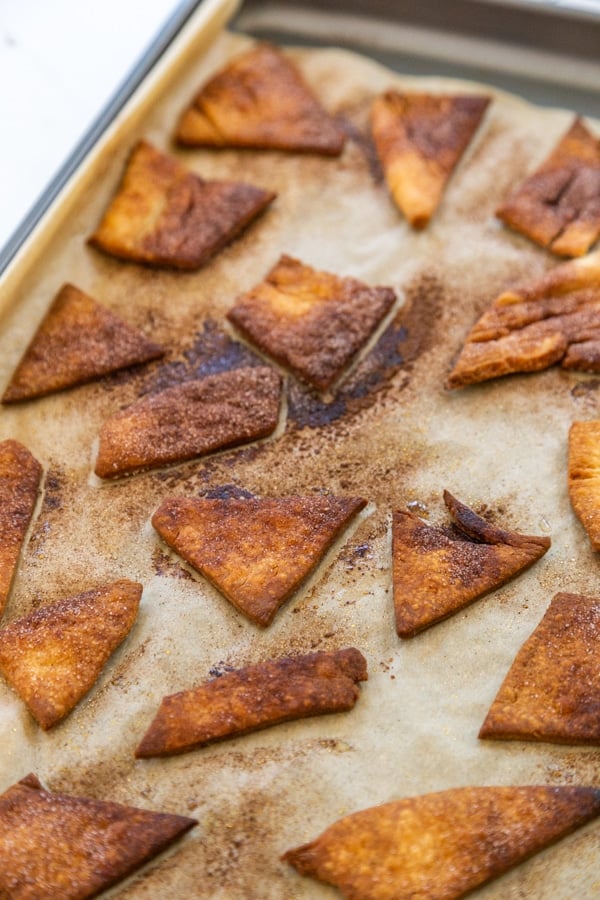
59	847
558	206
551	690
255	697
20	476
420	139
164	215
584	476
54	655
78	340
313	323
191	419
257	552
553	319
260	101
441	846
438	571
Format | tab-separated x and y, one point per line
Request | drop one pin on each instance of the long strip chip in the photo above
584	476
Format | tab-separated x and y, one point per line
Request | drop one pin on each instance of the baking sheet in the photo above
394	436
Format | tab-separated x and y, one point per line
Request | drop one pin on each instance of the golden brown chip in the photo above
311	322
257	552
54	655
551	690
440	846
584	476
438	571
191	419
77	341
59	847
554	319
420	139
558	206
260	101
164	215
255	697
20	476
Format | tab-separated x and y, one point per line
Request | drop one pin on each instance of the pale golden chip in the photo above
164	215
313	323
259	100
584	476
257	552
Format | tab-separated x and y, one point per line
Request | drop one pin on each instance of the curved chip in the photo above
584	476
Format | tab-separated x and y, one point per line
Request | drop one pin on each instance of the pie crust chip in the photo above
260	101
20	476
312	323
438	571
78	340
257	552
190	419
558	206
551	690
59	847
584	476
553	319
54	655
164	215
255	697
441	846
420	139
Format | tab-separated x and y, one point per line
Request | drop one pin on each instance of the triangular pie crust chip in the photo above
54	655
78	340
440	846
551	690
260	101
257	552
313	323
584	476
20	476
253	698
558	206
190	419
553	319
54	845
438	571
420	139
164	215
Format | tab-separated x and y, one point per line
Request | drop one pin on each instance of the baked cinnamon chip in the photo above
441	846
558	206
257	552
420	139
54	655
61	847
260	101
311	322
255	697
78	340
584	476
20	476
164	215
553	319
551	690
191	419
439	571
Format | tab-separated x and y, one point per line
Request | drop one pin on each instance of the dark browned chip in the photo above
189	420
257	552
164	215
260	101
420	139
441	846
584	476
59	847
551	690
558	206
54	655
437	572
253	698
77	341
313	323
